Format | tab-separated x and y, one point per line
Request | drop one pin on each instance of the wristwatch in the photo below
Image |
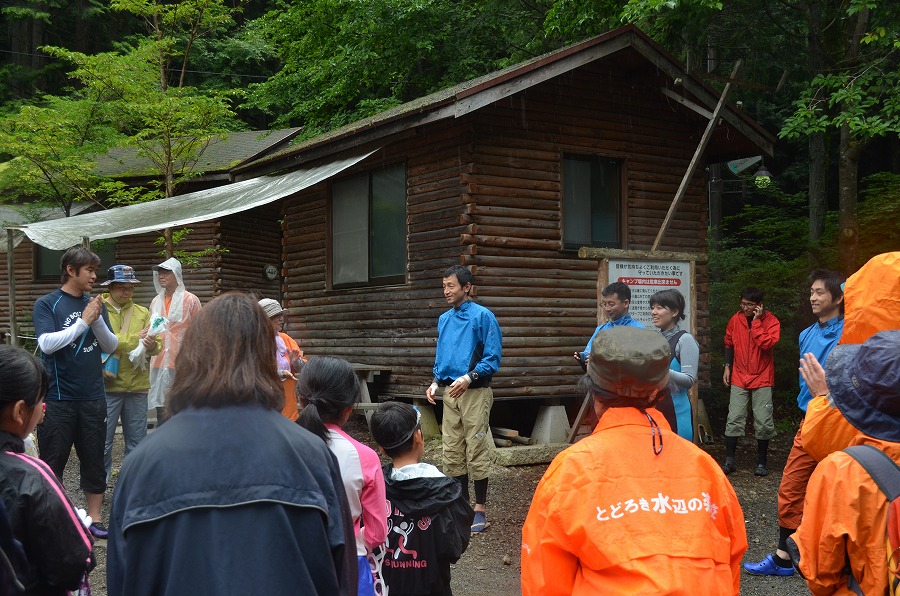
474	376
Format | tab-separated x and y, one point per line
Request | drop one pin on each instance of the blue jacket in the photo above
819	339
230	501
624	320
469	339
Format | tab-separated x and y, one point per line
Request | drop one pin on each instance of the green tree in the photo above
855	96
343	60
51	150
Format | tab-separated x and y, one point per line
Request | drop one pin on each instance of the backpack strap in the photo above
883	470
673	341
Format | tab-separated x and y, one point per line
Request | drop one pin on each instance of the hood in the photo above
421	496
872	299
175	308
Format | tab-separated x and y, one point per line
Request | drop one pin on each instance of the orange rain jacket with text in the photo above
611	517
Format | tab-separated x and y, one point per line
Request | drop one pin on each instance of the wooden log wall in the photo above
485	191
252	240
545	298
391	326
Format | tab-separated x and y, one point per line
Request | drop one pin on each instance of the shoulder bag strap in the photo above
883	470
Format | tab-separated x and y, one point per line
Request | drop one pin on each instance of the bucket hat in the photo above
864	382
630	362
272	307
120	274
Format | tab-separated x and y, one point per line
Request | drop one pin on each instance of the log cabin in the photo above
508	174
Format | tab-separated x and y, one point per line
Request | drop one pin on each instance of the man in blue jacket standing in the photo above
615	301
468	355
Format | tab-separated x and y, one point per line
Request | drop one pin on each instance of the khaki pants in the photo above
465	431
761	404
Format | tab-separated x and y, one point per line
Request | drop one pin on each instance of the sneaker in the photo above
728	467
761	470
768	566
98	531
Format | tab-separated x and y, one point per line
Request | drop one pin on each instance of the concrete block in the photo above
430	427
525	455
551	426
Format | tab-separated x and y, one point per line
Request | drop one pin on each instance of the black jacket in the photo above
429	527
58	547
234	500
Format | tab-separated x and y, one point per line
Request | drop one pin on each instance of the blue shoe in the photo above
768	566
479	524
99	531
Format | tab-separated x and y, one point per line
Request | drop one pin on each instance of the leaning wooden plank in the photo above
506	433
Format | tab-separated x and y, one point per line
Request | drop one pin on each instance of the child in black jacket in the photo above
429	520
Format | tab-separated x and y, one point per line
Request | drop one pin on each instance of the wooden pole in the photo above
11	282
704	141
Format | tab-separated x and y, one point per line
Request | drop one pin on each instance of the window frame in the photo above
371	282
621	206
106	252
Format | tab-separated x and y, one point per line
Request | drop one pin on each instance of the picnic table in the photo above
368	373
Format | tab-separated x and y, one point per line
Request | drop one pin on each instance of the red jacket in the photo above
754	348
611	517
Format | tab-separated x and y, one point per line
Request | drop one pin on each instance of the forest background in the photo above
78	77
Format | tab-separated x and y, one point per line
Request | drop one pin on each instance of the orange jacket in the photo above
754	350
610	517
290	410
844	516
825	430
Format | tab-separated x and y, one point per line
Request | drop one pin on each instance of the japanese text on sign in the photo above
645	278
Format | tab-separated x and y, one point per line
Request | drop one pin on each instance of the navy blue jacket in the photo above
234	500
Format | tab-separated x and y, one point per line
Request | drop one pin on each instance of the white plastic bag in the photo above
138	356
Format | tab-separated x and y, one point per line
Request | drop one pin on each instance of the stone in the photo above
525	455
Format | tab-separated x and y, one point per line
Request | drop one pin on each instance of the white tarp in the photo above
182	210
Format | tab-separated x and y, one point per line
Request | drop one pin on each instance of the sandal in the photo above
479	524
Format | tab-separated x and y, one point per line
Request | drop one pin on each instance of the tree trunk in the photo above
818	156
848	224
170	246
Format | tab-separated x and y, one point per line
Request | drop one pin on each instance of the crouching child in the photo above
429	520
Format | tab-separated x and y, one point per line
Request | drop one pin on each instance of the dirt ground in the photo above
490	566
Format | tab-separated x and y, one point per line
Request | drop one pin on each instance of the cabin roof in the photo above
633	49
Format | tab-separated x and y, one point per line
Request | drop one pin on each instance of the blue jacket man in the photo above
467	357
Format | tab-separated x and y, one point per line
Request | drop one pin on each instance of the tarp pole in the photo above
692	167
11	283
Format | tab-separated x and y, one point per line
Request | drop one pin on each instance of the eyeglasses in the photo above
745	304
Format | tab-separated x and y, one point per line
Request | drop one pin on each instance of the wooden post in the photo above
704	141
11	277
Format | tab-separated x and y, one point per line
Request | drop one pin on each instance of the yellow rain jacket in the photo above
130	379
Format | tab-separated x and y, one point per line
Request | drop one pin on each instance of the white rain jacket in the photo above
182	308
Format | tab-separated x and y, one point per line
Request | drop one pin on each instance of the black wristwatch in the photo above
474	375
